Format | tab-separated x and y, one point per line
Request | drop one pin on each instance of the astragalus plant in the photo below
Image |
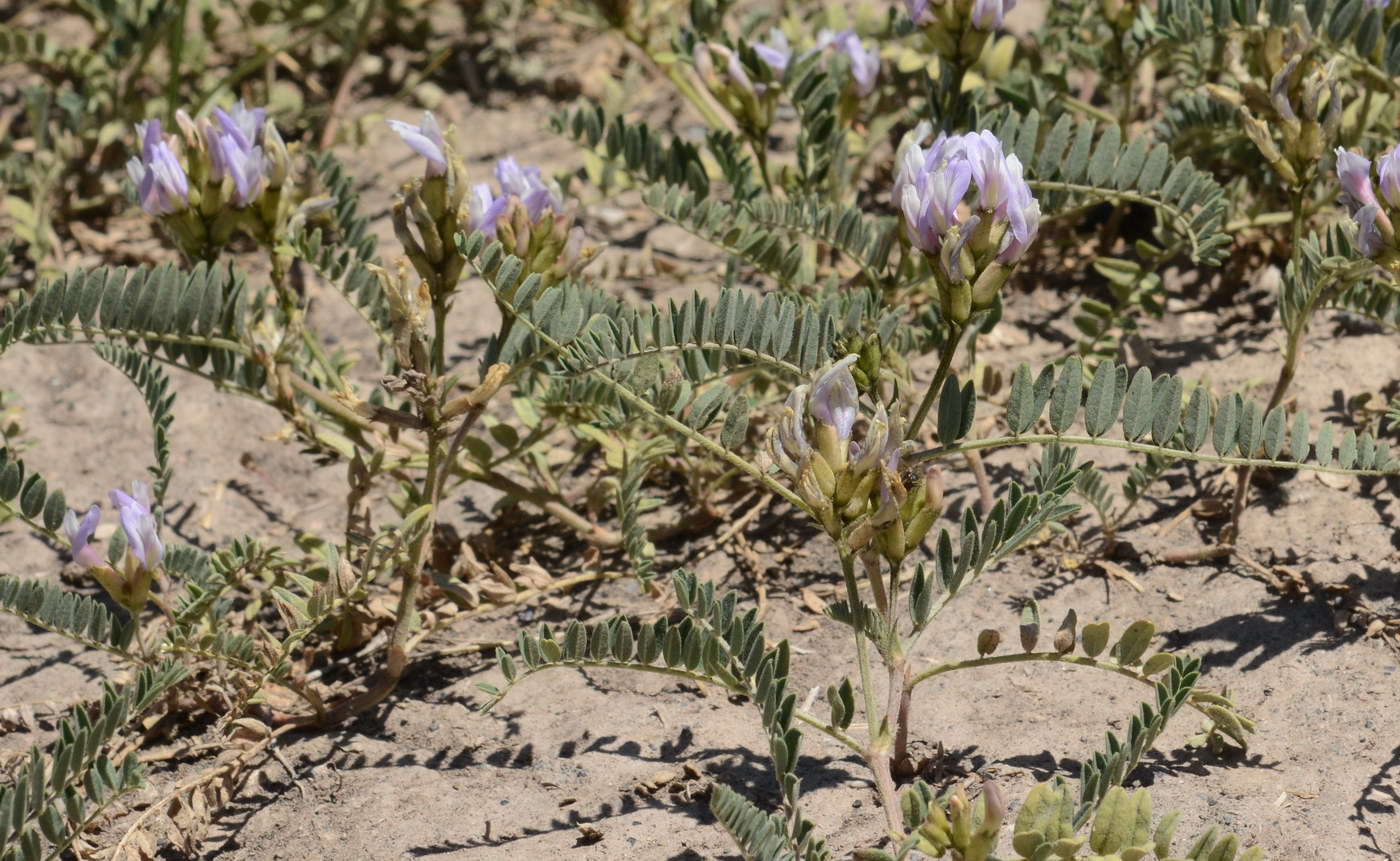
877	194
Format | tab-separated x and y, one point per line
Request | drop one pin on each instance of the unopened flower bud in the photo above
275	152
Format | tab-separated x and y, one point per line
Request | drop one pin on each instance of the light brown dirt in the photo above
555	770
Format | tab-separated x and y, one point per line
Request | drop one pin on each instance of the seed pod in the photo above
1064	638
987	642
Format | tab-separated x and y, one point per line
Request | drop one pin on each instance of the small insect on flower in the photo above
161	184
425	139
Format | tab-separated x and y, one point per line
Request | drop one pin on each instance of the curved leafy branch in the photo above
52	797
28	498
1149	413
77	617
555	331
715	644
984	540
635	147
732	229
1073	165
846	229
196	319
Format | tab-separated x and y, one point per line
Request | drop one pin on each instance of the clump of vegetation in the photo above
876	193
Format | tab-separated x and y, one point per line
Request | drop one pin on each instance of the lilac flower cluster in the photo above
1374	230
137	522
236	144
853	488
832	402
233	141
161	184
526	185
932	184
484	208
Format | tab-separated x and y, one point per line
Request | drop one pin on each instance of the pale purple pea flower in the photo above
833	401
134	511
1377	4
161	184
1388	169
233	141
426	140
928	190
527	185
918	11
740	78
1369	239
1373	227
1003	191
882	444
1354	173
80	533
793	447
988	14
776	55
485	209
242	124
246	168
1024	216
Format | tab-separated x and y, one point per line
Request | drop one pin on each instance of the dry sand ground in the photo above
425	776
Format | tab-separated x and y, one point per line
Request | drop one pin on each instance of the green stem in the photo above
439	358
1084	107
1291	350
639	403
878	752
848	569
945	365
759	143
1261	220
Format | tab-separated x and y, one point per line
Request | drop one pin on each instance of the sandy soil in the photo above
594	765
